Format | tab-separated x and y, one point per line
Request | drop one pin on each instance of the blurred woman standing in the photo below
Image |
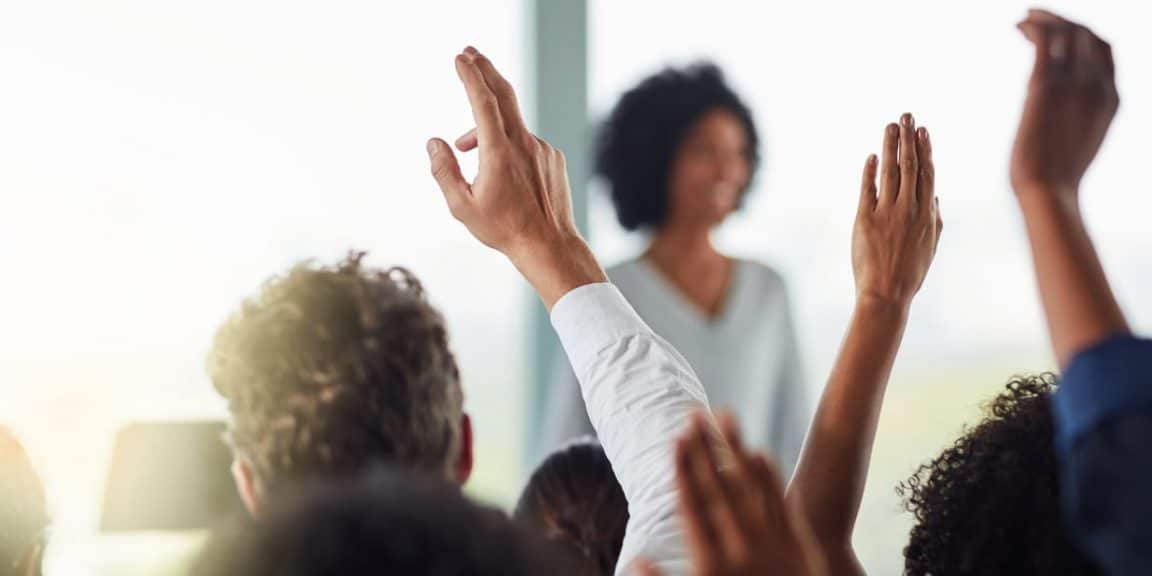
678	153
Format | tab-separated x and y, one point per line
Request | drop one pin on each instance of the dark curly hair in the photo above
387	521
989	504
331	369
23	512
638	142
573	498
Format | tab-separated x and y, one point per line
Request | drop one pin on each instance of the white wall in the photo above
823	79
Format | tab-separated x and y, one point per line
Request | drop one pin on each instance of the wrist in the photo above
556	265
875	303
1064	195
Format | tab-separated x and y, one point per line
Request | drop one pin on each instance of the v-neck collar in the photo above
684	307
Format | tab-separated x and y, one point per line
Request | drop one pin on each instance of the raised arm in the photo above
1070	105
893	245
1103	408
639	391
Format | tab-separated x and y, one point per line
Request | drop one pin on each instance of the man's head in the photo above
990	503
329	370
387	521
23	513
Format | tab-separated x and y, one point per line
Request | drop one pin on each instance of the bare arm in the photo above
894	243
1070	105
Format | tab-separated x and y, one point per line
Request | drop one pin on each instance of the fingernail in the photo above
906	119
872	160
893	130
433	147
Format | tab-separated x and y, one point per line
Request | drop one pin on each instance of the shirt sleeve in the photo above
565	417
640	393
1103	413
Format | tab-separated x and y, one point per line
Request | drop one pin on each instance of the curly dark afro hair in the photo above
638	142
989	504
573	498
332	369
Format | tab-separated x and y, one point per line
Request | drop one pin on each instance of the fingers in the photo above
694	502
446	171
868	186
1037	34
467	141
909	164
926	176
645	567
485	104
718	494
889	171
505	94
744	486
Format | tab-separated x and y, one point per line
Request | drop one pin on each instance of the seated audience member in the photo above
573	498
387	521
23	512
990	503
987	505
330	370
1103	410
639	392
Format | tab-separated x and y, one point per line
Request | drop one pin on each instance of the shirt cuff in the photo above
1101	383
592	318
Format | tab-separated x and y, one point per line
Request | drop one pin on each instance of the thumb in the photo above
446	171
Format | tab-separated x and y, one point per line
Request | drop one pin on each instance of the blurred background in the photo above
159	160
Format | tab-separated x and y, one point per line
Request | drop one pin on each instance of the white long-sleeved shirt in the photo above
640	394
747	358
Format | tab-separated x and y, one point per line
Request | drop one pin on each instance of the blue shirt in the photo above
1103	412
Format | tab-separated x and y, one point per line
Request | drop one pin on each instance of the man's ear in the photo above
464	462
246	485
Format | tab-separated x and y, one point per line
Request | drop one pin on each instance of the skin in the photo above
1071	102
897	230
519	203
709	174
736	518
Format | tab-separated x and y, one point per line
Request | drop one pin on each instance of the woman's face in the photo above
710	170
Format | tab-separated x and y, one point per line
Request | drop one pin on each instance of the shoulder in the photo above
764	277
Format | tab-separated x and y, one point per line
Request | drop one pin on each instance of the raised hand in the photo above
1071	102
735	516
898	227
1070	105
897	230
519	203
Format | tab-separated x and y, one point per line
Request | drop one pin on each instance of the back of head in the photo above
23	513
573	498
989	504
331	369
387	521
